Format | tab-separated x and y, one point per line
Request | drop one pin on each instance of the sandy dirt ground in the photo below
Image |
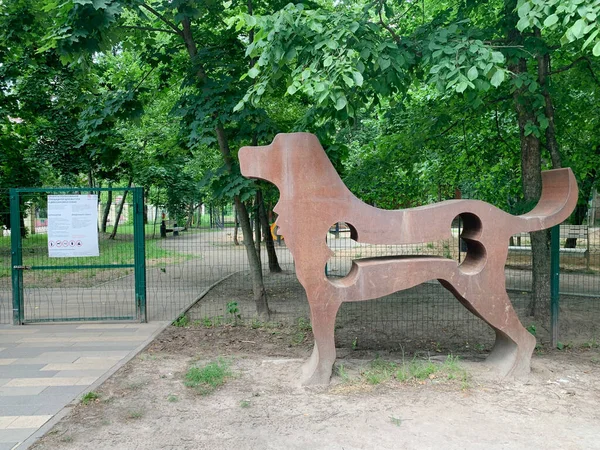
146	405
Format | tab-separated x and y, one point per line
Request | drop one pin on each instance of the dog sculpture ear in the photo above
260	162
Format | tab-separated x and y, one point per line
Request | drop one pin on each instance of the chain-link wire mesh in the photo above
196	257
5	278
75	288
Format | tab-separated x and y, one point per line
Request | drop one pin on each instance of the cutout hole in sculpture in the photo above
470	228
341	240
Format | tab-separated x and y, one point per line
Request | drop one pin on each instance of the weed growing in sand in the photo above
304	324
342	373
135	414
206	379
245	404
234	311
90	397
396	421
181	321
172	398
298	338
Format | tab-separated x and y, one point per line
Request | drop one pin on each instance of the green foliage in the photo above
342	59
233	310
576	19
182	321
90	397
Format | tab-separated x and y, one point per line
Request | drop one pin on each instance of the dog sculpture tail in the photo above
558	199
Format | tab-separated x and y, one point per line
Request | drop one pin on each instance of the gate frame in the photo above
139	252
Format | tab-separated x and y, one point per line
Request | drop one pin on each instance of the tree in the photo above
352	59
190	40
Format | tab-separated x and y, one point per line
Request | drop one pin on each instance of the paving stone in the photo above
8	445
52	408
21	410
23	352
101	326
93	374
5	421
42	381
9	436
12	391
100	364
57	345
70	357
114	346
29	422
26	371
60	391
95	359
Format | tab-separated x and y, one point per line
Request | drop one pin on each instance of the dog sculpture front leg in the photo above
317	370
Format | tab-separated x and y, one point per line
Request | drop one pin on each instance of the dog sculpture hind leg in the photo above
313	197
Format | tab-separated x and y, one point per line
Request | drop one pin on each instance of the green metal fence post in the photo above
16	257
139	254
554	282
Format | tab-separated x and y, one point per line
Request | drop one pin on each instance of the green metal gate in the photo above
106	286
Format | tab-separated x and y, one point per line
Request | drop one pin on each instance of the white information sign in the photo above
72	226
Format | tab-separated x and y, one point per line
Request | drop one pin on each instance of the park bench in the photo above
579	232
174	229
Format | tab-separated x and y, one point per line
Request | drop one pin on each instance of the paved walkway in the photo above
43	368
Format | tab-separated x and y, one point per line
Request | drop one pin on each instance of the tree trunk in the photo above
190	217
236	227
120	211
106	211
257	230
258	287
268	237
544	81
539	304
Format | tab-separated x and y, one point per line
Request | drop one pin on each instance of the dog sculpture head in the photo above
289	159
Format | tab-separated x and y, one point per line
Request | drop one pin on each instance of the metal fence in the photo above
198	264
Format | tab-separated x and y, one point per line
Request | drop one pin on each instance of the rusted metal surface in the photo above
313	197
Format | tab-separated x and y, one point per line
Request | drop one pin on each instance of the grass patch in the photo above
379	371
209	377
90	397
117	251
414	370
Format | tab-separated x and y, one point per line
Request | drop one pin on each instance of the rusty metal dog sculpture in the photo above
313	197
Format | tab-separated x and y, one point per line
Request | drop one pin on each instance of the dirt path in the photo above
147	406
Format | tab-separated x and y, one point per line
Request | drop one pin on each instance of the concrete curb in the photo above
204	292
